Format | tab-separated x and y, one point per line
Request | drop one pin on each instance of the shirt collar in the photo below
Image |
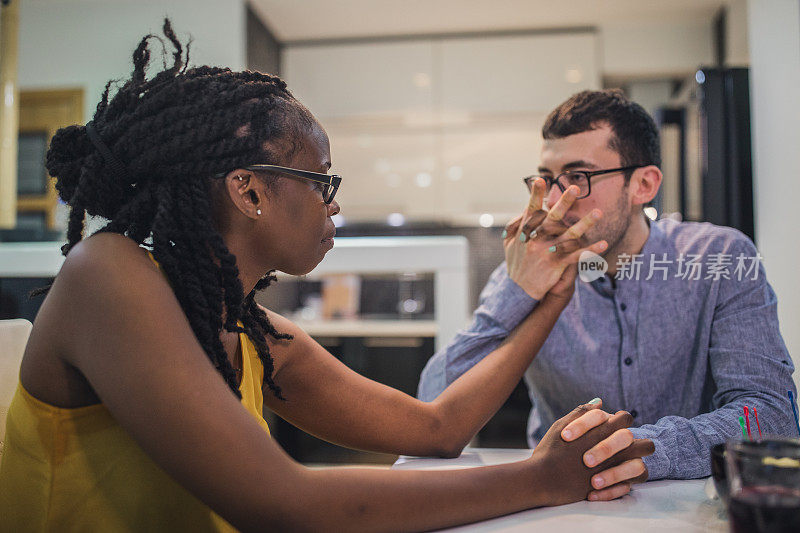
656	240
655	243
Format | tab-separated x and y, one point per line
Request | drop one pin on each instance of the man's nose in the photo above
552	195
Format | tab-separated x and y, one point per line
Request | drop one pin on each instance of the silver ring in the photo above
533	235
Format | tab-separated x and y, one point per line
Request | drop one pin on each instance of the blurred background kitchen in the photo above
434	110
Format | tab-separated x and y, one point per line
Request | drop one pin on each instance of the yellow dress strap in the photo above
153	259
252	372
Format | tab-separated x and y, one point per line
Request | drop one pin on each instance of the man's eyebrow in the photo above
578	164
572	165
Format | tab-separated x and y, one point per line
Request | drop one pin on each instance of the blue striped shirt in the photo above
683	344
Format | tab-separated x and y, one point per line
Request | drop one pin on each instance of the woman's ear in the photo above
243	191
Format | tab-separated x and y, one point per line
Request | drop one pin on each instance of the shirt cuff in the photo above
508	304
658	463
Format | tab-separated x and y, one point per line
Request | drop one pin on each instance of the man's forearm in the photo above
502	307
447	365
471	400
683	445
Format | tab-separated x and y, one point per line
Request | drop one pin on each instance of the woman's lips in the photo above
328	241
330	237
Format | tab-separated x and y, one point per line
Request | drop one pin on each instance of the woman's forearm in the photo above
382	500
354	499
470	401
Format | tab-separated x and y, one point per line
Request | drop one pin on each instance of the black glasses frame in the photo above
588	174
331	180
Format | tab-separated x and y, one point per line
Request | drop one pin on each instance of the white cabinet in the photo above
484	163
386	167
516	73
438	129
345	80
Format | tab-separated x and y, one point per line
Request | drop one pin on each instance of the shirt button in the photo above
628	361
623	306
634	413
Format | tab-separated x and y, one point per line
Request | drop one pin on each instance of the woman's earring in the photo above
258	211
240	178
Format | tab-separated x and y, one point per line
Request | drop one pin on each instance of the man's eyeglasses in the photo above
331	182
580	178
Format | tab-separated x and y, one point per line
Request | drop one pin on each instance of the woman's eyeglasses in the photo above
330	181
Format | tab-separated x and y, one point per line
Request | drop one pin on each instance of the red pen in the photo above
755	414
747	421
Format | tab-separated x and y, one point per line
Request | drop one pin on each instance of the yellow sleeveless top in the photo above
65	470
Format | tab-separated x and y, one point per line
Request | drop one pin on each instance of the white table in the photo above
651	507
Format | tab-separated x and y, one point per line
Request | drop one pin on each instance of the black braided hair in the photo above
173	133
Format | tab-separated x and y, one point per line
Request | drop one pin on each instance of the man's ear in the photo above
242	187
644	184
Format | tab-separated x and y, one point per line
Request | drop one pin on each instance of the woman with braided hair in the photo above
141	390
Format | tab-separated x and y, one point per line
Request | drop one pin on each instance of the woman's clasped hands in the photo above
598	458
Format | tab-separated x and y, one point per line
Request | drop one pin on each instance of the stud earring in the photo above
258	211
240	178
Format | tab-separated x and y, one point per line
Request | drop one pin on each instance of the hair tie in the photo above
111	160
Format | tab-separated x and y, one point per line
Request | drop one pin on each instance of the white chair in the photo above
13	338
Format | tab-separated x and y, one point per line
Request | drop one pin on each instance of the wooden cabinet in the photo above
41	114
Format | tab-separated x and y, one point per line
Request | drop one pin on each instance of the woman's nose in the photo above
333	208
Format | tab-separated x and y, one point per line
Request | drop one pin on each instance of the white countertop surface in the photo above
446	257
655	506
